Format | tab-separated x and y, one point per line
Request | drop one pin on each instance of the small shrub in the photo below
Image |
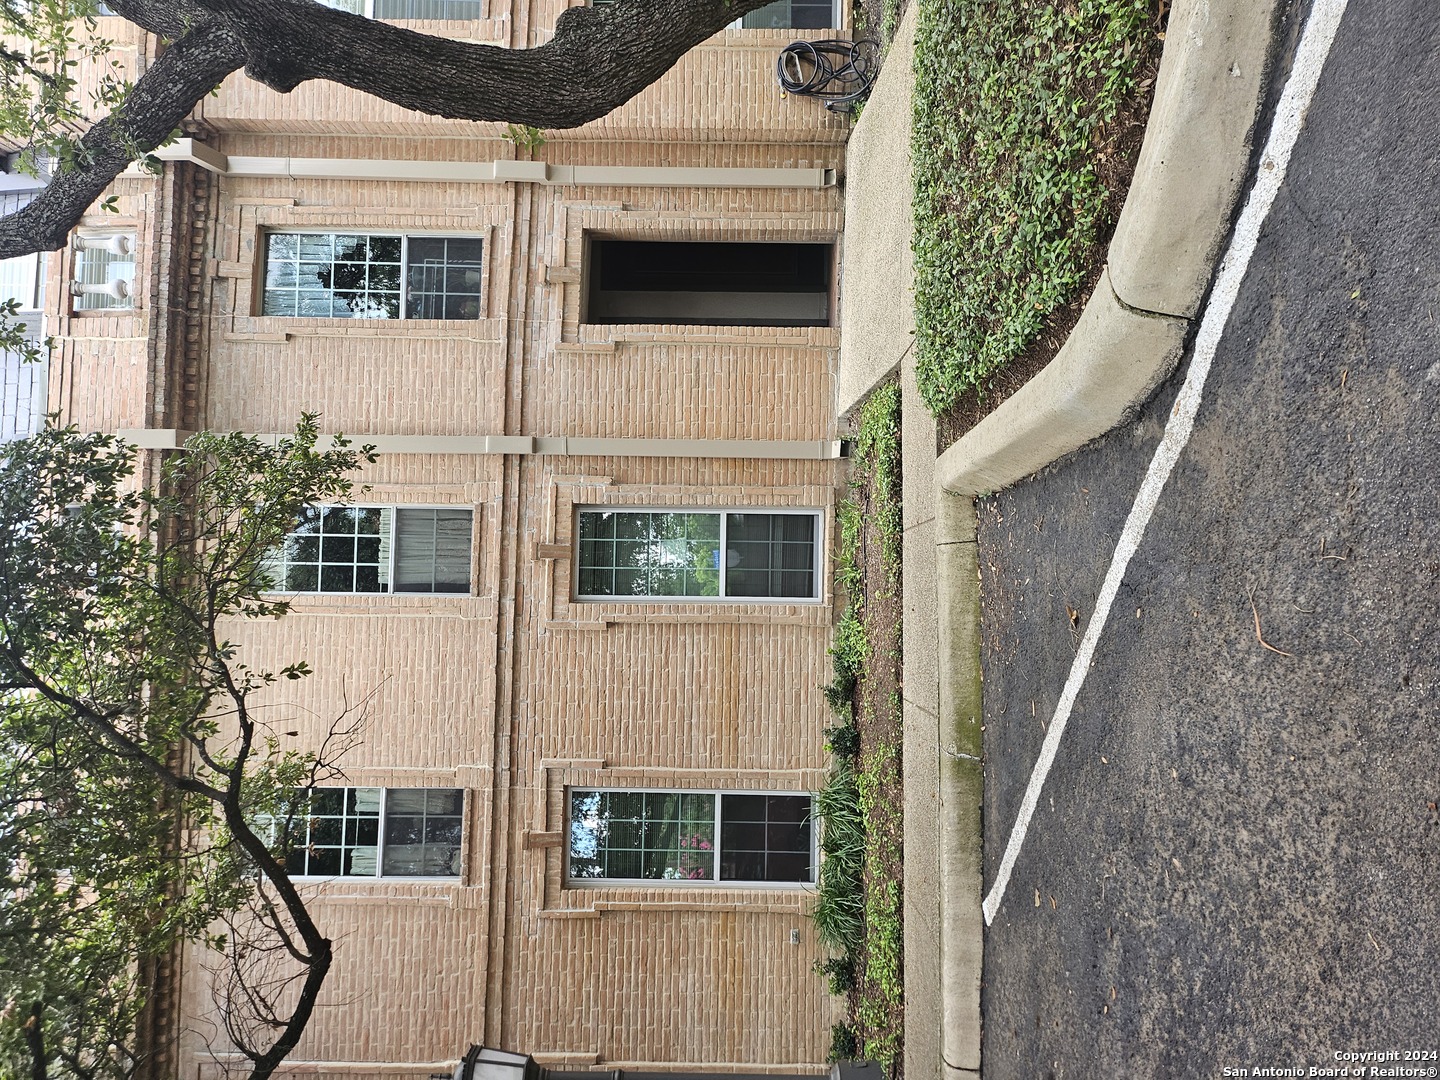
840	907
524	136
839	971
850	650
843	1044
843	741
840	699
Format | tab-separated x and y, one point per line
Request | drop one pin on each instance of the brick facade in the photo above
517	691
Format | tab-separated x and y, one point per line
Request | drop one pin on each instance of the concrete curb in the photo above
1193	164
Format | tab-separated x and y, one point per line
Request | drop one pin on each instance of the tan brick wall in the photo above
722	91
519	691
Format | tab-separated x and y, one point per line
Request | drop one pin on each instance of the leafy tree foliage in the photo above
134	766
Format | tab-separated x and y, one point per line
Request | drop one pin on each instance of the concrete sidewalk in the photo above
1194	163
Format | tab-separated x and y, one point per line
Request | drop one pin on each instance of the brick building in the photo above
587	595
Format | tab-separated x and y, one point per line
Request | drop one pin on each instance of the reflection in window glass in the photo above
375	549
690	836
339	833
791	15
639	554
365	276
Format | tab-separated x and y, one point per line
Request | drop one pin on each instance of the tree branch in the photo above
35	1041
599	58
159	102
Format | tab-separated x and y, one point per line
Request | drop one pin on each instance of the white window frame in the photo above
22	279
92	286
817	592
267	827
367	9
690	883
404	238
739	24
834	22
278	564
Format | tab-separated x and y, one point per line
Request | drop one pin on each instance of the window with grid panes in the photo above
792	15
642	554
372	276
781	15
446	10
375	832
375	549
690	836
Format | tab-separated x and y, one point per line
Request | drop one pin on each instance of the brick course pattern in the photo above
518	691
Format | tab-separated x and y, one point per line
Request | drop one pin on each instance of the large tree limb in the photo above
599	58
160	100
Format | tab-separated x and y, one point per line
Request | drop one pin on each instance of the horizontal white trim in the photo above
488	172
562	445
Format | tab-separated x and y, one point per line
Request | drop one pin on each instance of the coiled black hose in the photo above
838	72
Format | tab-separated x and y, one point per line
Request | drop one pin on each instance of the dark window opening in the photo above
709	284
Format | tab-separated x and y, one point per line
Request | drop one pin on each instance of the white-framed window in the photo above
690	836
781	15
372	276
375	832
744	554
447	10
23	388
22	279
375	549
791	15
104	272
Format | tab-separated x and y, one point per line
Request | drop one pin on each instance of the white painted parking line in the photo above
1289	116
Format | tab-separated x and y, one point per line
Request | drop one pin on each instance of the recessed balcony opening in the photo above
709	283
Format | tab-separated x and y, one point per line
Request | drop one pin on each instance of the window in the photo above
690	836
781	15
791	15
21	280
23	388
734	555
367	276
410	9
376	832
708	283
375	549
104	272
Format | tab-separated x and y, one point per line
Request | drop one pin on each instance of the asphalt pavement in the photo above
1235	861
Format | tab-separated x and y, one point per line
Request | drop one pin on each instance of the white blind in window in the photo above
432	550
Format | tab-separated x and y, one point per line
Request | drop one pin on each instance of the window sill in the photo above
349	890
279	328
447	604
608	335
710	887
